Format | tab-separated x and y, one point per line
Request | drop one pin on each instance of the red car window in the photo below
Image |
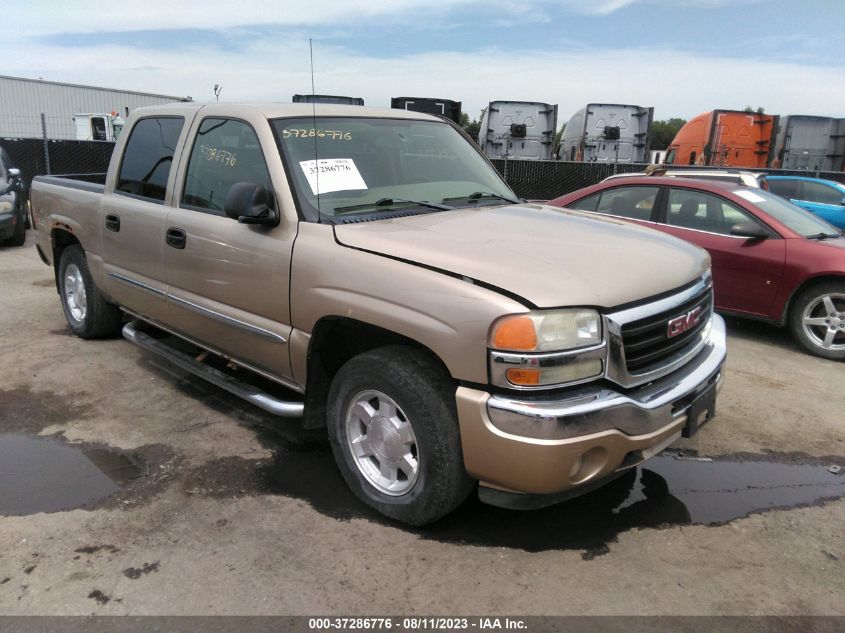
702	211
628	202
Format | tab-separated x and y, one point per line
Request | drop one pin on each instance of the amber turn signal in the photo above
523	377
516	333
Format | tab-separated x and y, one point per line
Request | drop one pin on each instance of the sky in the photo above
681	57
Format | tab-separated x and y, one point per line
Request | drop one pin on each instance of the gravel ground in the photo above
227	511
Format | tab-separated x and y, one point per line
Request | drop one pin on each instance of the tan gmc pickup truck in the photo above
369	272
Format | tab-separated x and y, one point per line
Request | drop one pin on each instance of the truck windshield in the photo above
368	166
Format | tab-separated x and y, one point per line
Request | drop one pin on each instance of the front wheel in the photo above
817	320
394	434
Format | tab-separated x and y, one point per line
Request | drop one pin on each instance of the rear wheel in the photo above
817	320
394	434
88	313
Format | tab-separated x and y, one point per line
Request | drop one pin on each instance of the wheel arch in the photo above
804	285
61	237
335	340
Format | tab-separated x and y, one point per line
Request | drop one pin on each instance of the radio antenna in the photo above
314	119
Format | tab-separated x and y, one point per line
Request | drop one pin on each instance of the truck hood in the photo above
549	256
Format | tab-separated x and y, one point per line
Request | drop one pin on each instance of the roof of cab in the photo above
283	110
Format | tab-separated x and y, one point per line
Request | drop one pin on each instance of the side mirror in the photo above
842	202
14	172
249	203
750	230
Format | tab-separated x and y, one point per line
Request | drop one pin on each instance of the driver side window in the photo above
225	152
701	211
822	194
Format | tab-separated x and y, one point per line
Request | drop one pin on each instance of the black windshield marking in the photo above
202	132
161	136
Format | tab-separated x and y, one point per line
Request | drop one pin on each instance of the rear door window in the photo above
628	202
148	157
225	152
586	204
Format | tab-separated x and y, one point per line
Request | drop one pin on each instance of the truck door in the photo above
607	135
98	128
228	283
133	214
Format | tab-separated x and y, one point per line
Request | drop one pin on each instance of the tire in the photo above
19	236
817	319
423	395
88	313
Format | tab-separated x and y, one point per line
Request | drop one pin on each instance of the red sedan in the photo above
771	259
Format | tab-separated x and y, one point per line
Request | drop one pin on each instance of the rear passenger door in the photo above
133	213
746	272
228	282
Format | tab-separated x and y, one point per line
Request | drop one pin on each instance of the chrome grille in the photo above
646	342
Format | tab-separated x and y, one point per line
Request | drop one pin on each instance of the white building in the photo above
23	101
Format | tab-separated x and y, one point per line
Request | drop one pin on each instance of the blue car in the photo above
825	198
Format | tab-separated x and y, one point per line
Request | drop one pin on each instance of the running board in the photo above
216	377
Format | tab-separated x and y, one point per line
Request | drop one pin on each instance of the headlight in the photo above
551	331
5	206
545	349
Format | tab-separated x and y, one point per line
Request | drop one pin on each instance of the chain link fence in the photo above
37	126
544	180
41	145
40	157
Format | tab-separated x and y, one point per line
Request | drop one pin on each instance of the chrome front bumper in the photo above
594	409
542	446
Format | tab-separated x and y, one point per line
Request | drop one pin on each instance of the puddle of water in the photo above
46	475
666	491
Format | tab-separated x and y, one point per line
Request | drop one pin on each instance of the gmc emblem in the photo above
681	324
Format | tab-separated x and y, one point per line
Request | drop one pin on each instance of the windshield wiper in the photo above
478	195
824	236
389	202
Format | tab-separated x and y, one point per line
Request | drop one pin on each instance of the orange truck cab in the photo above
726	138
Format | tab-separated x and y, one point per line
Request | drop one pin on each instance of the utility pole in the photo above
217	90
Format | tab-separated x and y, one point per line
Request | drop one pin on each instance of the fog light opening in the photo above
588	465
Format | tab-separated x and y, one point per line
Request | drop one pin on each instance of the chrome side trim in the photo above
241	389
617	370
285	383
223	318
137	284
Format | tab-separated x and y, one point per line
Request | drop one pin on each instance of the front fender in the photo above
450	316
